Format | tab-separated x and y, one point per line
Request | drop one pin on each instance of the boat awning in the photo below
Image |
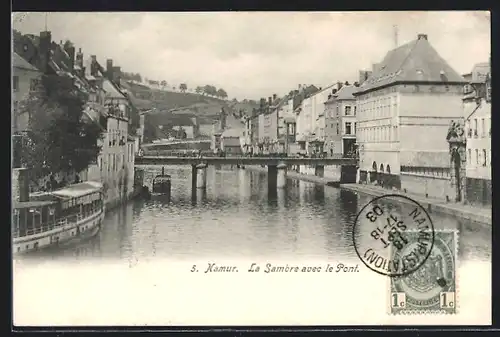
78	190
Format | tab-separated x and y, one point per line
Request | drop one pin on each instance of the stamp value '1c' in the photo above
431	288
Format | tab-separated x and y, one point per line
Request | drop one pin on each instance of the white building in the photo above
111	109
477	113
404	110
25	79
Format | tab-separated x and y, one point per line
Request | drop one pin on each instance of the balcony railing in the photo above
60	223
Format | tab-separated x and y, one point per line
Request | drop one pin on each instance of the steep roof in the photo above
232	132
346	92
19	62
415	61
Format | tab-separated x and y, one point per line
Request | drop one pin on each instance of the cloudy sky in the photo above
254	54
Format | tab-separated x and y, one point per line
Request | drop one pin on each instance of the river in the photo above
238	219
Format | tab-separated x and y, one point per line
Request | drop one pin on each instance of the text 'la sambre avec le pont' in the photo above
275	268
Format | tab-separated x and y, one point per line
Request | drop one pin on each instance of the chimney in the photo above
363	75
375	67
422	37
44	49
117	75
94	69
79	58
109	68
262	102
20	184
71	52
270	100
274	97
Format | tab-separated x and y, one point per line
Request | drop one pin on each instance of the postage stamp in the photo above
432	287
391	223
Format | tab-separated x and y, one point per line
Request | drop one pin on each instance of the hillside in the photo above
174	108
166	100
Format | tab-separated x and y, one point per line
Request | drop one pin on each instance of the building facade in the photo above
477	113
115	163
403	113
25	80
231	141
107	105
340	125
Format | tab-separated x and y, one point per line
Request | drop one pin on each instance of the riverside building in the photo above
404	110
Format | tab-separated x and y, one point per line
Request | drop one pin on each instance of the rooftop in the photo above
415	61
479	72
19	62
233	132
346	92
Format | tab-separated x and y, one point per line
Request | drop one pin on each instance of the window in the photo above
485	158
483	128
355	108
33	84
477	156
348	110
475	127
337	128
337	110
469	160
15	83
348	128
355	124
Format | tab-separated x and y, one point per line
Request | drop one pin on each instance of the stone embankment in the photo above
477	214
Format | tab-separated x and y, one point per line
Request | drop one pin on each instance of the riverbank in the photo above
299	176
118	202
477	214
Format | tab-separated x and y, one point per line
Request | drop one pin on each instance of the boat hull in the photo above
64	236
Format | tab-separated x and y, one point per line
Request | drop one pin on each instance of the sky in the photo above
256	54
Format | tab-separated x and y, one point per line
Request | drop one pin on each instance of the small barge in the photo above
57	218
161	184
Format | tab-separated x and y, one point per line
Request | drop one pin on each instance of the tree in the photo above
210	90
221	93
163	83
183	87
58	140
198	90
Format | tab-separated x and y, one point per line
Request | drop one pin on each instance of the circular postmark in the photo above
393	235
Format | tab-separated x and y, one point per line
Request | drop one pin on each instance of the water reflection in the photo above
237	215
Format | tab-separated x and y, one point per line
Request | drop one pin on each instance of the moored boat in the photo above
161	184
57	218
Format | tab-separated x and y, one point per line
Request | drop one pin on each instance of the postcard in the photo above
251	168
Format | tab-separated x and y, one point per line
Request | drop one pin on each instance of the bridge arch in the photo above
374	166
382	168
388	169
